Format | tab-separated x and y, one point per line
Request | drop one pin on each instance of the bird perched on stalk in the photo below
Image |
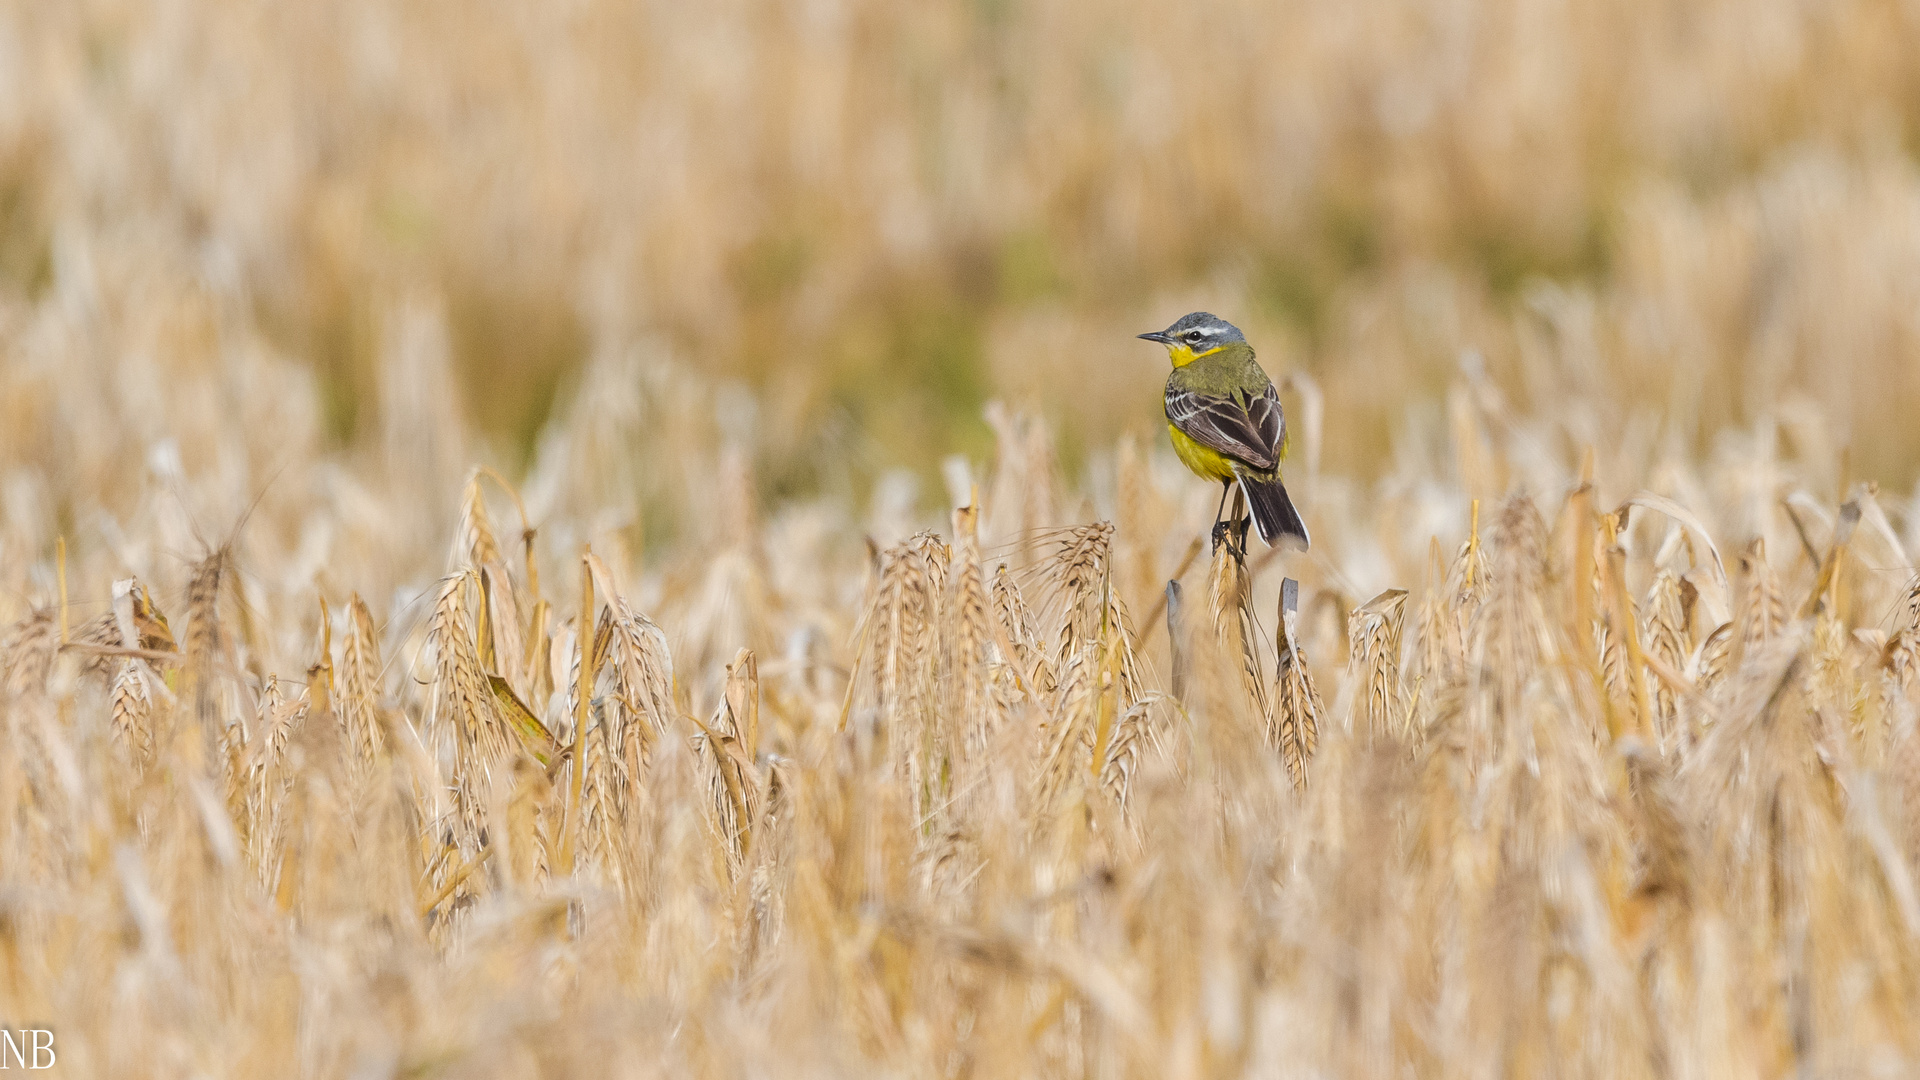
1226	422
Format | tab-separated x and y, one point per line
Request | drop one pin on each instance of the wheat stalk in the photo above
27	652
132	708
1665	629
1294	729
971	634
1230	598
633	669
1902	655
1016	624
359	698
473	542
1373	663
463	710
1764	613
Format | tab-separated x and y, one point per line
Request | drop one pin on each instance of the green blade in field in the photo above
533	734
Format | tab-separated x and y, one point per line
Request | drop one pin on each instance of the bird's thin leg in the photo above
1239	527
1221	530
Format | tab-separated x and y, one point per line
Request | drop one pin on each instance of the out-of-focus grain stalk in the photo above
1178	661
1373	663
1582	532
1623	622
203	647
359	705
582	712
1764	614
1179	572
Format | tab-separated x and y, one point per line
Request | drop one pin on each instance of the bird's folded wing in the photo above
1221	424
1271	422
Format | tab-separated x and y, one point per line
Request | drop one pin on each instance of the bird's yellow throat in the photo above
1183	354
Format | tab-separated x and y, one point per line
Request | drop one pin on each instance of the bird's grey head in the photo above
1200	332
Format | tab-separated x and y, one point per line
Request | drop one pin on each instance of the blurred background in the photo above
829	232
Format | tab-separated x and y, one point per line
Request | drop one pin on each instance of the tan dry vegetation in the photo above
1625	783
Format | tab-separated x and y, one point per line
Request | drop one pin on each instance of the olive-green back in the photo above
1231	372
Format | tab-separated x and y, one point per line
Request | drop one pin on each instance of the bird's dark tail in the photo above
1273	513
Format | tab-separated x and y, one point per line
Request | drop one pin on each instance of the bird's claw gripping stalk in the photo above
1232	533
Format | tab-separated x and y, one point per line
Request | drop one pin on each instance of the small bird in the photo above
1226	422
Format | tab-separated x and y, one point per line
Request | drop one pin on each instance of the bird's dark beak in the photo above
1160	336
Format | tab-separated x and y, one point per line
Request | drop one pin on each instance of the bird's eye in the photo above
1195	336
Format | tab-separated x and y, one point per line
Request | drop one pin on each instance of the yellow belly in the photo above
1204	461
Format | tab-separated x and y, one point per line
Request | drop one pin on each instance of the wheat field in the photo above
598	540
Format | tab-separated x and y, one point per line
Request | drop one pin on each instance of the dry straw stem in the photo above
1826	594
582	711
1178	664
1179	573
1624	622
1294	727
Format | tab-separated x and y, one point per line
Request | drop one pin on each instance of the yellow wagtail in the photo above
1226	422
